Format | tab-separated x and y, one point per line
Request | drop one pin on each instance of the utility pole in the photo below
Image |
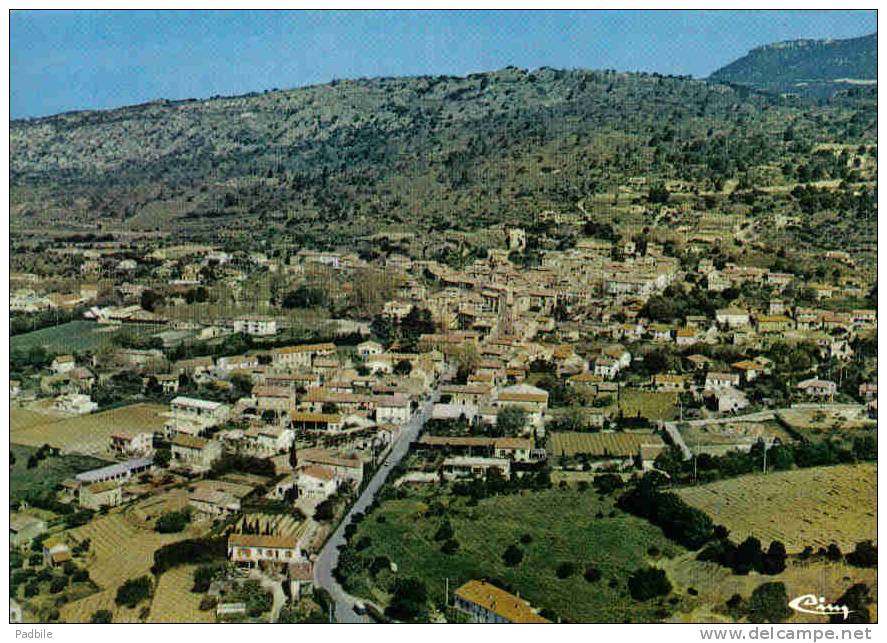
766	446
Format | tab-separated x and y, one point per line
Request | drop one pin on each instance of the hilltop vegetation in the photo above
322	165
818	67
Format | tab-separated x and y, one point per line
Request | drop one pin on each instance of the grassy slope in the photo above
77	335
814	506
564	528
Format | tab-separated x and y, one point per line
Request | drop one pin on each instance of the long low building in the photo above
119	471
517	449
250	549
483	602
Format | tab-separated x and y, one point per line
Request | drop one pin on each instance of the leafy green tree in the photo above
565	569
857	600
172	522
511	420
648	583
408	601
445	531
133	591
450	547
162	457
403	368
101	616
773	561
592	574
512	556
305	297
864	554
768	604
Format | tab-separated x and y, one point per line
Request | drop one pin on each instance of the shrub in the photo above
58	584
450	547
444	532
172	522
565	570
592	574
512	556
133	591
648	583
204	576
768	604
608	483
408	600
526	539
865	554
379	563
324	511
193	551
207	603
80	576
101	616
773	562
833	552
856	599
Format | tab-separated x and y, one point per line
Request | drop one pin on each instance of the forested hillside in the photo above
326	163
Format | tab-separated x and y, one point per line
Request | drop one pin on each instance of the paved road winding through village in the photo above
329	556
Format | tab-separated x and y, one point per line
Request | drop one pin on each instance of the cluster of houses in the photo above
320	412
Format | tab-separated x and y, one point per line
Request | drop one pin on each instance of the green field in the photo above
652	405
563	526
77	335
47	474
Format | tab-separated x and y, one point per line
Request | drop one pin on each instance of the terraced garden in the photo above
604	444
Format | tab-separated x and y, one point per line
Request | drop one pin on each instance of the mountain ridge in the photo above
815	67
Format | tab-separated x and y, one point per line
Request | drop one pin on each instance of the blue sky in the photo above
69	60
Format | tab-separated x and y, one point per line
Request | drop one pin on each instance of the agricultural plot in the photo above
49	472
174	602
119	551
89	434
815	506
605	444
652	405
81	611
79	335
560	525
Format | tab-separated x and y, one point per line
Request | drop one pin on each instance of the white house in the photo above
721	380
193	416
818	388
369	348
62	364
251	549
394	409
606	367
75	403
258	326
732	317
317	482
